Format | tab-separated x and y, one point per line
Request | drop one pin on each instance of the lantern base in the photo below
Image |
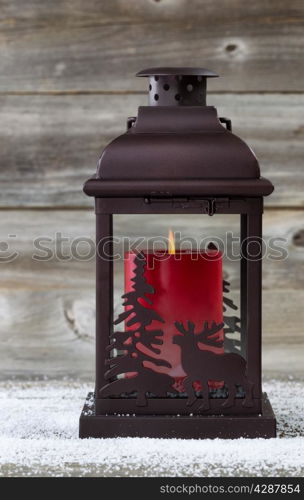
184	427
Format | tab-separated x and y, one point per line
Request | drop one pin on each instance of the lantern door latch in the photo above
211	207
207	205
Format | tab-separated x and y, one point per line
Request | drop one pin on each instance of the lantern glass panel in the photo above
200	289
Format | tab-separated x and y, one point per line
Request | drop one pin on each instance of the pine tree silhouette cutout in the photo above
232	323
126	372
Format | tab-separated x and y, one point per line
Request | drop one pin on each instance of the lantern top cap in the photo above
171	71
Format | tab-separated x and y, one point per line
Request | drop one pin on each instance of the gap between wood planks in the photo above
74	208
139	92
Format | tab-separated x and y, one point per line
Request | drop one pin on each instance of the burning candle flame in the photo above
171	244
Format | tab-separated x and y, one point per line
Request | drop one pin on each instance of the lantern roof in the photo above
177	147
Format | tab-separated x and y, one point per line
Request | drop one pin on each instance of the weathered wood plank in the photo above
51	333
55	249
97	45
47	307
49	145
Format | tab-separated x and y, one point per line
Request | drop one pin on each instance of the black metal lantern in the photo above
178	157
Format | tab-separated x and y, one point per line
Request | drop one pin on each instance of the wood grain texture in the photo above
55	249
47	308
49	145
66	87
72	44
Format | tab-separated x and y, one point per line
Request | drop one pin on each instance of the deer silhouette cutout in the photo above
204	365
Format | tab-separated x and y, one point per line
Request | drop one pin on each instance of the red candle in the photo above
187	287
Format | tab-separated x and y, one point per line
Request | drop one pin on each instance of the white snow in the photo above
39	436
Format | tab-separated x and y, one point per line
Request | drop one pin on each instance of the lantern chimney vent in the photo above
177	86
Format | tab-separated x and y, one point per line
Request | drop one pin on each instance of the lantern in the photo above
180	359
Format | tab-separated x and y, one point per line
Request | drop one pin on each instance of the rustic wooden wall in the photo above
66	86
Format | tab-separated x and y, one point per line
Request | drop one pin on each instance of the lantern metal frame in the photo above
238	192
